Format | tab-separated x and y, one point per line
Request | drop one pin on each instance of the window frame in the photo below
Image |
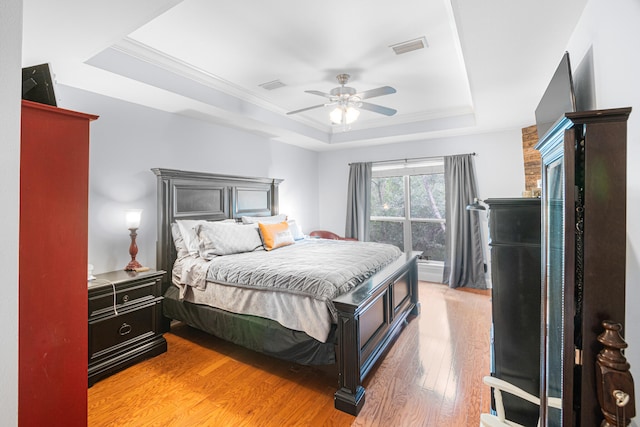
406	169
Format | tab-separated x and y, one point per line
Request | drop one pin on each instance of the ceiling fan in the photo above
348	101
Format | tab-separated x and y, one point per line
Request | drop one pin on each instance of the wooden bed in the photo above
370	316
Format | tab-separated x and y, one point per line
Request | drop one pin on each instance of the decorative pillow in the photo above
264	219
275	235
295	229
225	239
178	241
188	231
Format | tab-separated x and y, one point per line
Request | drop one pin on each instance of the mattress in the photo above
293	285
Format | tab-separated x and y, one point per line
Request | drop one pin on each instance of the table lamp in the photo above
132	219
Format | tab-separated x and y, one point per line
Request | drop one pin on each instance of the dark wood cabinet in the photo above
125	311
52	337
584	250
514	239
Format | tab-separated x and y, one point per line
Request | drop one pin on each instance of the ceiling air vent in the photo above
408	46
275	84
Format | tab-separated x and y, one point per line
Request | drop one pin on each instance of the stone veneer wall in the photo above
532	161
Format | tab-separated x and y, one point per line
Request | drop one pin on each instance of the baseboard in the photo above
430	271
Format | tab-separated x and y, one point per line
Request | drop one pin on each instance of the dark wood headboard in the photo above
213	197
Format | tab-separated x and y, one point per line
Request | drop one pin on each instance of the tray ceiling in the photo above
484	67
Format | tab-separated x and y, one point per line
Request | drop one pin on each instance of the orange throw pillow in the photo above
275	235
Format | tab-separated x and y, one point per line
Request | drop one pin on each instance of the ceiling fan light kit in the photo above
344	115
348	101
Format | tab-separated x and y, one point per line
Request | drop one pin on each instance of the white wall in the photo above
128	140
10	81
499	169
613	33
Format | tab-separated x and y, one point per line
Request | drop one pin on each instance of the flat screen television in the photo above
558	99
37	84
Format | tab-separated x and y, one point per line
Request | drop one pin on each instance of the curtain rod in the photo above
415	158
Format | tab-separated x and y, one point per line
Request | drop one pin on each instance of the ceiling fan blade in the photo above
305	109
384	90
317	92
378	109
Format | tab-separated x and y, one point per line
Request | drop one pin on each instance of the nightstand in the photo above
126	330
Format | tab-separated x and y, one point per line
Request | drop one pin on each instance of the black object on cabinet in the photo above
514	238
584	250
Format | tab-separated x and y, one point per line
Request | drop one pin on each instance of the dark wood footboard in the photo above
369	318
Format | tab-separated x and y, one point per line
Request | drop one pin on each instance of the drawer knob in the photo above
125	298
124	329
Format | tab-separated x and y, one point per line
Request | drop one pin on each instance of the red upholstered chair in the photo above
324	234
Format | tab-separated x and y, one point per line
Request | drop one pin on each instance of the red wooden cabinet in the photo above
52	336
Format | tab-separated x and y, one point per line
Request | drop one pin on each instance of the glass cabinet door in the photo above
553	290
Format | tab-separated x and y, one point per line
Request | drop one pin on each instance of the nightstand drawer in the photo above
117	341
102	302
111	334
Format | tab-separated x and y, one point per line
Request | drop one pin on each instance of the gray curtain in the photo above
464	257
359	201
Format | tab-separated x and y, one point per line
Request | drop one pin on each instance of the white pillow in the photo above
178	241
225	239
295	229
188	231
264	219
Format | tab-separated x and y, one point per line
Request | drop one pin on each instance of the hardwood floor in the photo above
432	376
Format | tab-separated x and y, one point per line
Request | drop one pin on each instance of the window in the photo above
408	207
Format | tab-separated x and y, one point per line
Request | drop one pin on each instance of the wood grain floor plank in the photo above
431	376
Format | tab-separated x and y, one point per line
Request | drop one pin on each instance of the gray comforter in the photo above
318	268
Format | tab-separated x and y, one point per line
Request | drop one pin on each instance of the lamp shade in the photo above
132	218
336	115
351	115
344	115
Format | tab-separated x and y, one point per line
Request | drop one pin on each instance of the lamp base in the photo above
133	265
